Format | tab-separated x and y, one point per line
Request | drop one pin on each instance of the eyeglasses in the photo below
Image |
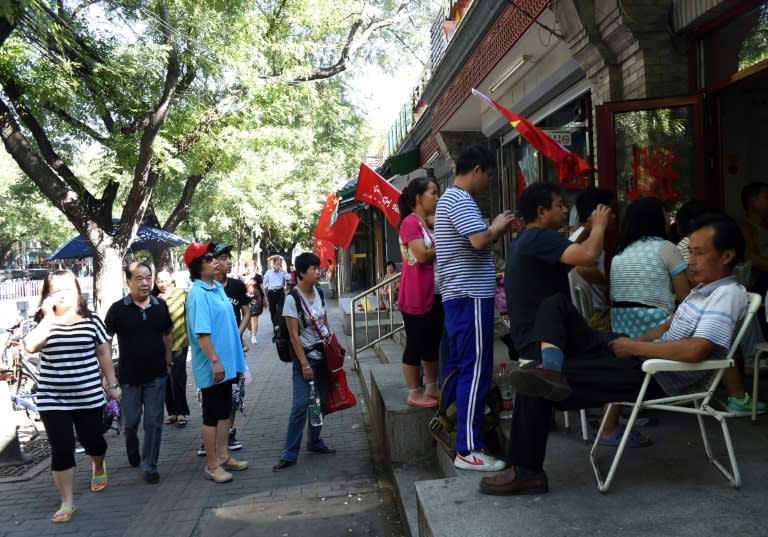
208	258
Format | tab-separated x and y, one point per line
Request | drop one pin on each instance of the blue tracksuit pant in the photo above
469	327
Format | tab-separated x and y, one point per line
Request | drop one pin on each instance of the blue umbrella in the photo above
146	238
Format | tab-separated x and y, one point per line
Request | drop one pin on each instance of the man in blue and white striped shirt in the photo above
467	285
602	368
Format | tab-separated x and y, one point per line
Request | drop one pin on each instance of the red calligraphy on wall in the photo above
654	173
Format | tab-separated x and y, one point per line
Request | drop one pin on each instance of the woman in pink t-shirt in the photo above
418	300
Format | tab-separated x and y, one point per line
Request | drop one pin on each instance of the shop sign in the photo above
561	137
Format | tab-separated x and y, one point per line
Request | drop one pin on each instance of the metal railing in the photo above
361	304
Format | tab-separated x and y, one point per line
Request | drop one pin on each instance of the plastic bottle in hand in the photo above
507	395
315	410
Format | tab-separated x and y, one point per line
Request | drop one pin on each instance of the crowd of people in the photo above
158	328
669	293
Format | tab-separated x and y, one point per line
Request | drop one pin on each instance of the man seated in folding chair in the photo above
583	368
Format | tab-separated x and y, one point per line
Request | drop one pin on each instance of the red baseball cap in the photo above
195	250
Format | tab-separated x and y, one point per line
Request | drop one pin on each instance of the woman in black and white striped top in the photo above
73	344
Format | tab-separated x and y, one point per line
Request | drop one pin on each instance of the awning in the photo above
400	164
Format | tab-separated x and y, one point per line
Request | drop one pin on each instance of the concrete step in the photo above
404	429
667	489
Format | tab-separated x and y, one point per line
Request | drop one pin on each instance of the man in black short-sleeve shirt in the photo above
143	328
238	296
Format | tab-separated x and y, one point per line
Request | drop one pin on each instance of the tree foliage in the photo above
171	96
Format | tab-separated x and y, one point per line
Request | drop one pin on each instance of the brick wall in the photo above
510	26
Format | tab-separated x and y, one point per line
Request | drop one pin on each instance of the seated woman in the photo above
387	295
648	273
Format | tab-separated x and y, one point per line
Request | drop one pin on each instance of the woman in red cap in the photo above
217	357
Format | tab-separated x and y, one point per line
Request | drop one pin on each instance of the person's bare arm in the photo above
750	249
656	332
690	350
593	275
421	252
293	331
681	285
585	254
500	224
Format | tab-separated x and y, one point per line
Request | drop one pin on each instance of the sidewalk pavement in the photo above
321	495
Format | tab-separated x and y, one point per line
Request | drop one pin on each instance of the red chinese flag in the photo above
569	163
343	230
325	251
327	215
374	190
338	230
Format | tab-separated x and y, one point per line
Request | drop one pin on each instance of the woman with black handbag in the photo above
304	318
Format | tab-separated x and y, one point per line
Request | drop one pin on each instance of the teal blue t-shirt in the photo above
209	312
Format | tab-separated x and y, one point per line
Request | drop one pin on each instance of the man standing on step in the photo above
467	283
143	328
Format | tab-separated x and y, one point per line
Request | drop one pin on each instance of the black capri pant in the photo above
423	334
59	425
217	403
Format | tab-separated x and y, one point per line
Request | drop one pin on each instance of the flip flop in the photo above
63	515
171	420
181	422
99	481
634	440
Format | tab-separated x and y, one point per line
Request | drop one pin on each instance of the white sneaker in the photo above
254	340
479	462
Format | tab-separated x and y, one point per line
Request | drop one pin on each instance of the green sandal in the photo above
99	482
63	515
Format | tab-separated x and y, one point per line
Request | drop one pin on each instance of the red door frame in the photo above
606	134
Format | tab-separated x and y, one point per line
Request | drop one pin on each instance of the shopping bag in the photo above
339	396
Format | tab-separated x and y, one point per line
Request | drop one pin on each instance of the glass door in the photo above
654	148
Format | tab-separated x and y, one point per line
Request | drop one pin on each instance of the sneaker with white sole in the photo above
201	451
232	443
743	407
478	461
254	340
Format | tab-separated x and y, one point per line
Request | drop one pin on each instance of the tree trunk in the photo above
162	260
108	278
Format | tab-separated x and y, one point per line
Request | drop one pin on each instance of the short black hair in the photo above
476	155
750	192
688	213
644	218
130	268
388	263
588	200
728	236
534	196
304	261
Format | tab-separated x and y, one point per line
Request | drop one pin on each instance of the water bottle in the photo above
315	410
507	396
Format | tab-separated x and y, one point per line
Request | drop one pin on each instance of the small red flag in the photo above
374	190
342	231
338	230
569	163
325	251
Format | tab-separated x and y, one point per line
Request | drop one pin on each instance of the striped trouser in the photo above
469	327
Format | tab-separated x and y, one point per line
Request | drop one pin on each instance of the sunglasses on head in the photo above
208	258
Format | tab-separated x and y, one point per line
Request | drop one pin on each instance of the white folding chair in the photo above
583	303
700	401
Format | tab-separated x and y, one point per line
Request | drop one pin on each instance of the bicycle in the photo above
21	370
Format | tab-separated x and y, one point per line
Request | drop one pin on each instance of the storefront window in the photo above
655	154
736	46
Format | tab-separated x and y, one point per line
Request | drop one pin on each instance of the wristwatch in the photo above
113	386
